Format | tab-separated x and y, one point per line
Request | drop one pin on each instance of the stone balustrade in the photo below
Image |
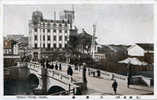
54	74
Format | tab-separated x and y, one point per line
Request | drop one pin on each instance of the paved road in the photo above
100	86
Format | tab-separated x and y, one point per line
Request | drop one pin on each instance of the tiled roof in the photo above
146	46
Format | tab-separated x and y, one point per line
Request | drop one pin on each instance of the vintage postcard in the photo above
78	49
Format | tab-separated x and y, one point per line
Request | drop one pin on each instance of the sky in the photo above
115	23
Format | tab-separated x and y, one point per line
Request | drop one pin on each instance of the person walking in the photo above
98	73
52	66
84	74
128	84
47	64
56	66
60	66
69	71
114	86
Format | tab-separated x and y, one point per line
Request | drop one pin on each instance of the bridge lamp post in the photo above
84	77
129	73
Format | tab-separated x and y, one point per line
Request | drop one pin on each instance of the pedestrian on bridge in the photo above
56	66
98	73
114	86
70	71
47	64
60	66
52	66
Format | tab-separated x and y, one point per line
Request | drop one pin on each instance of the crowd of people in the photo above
56	66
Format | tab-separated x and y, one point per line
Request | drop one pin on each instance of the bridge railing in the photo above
35	66
54	74
105	74
109	75
60	76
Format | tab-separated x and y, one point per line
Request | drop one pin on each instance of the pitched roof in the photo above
112	48
146	46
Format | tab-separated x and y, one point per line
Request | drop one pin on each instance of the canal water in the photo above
17	87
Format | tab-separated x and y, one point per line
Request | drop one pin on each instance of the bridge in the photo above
49	80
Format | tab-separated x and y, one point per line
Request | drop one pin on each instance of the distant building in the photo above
10	47
144	51
99	56
11	53
86	40
68	16
21	43
140	49
111	52
48	35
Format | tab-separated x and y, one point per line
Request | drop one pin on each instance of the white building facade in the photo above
47	34
135	50
140	49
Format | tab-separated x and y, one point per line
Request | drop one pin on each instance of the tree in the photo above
73	43
85	41
79	45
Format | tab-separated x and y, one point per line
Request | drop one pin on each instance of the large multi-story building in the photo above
46	35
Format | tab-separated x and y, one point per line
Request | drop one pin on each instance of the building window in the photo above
66	38
60	38
54	30
35	29
44	30
60	45
54	38
35	37
35	45
49	45
66	31
54	45
44	37
44	45
60	31
48	37
48	30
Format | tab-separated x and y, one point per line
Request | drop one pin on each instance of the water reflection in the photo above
17	87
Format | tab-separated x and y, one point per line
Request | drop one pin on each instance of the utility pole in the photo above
93	42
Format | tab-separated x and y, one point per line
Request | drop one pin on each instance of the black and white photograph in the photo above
78	49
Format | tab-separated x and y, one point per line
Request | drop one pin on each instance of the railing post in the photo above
44	80
73	91
61	76
69	88
52	72
71	79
